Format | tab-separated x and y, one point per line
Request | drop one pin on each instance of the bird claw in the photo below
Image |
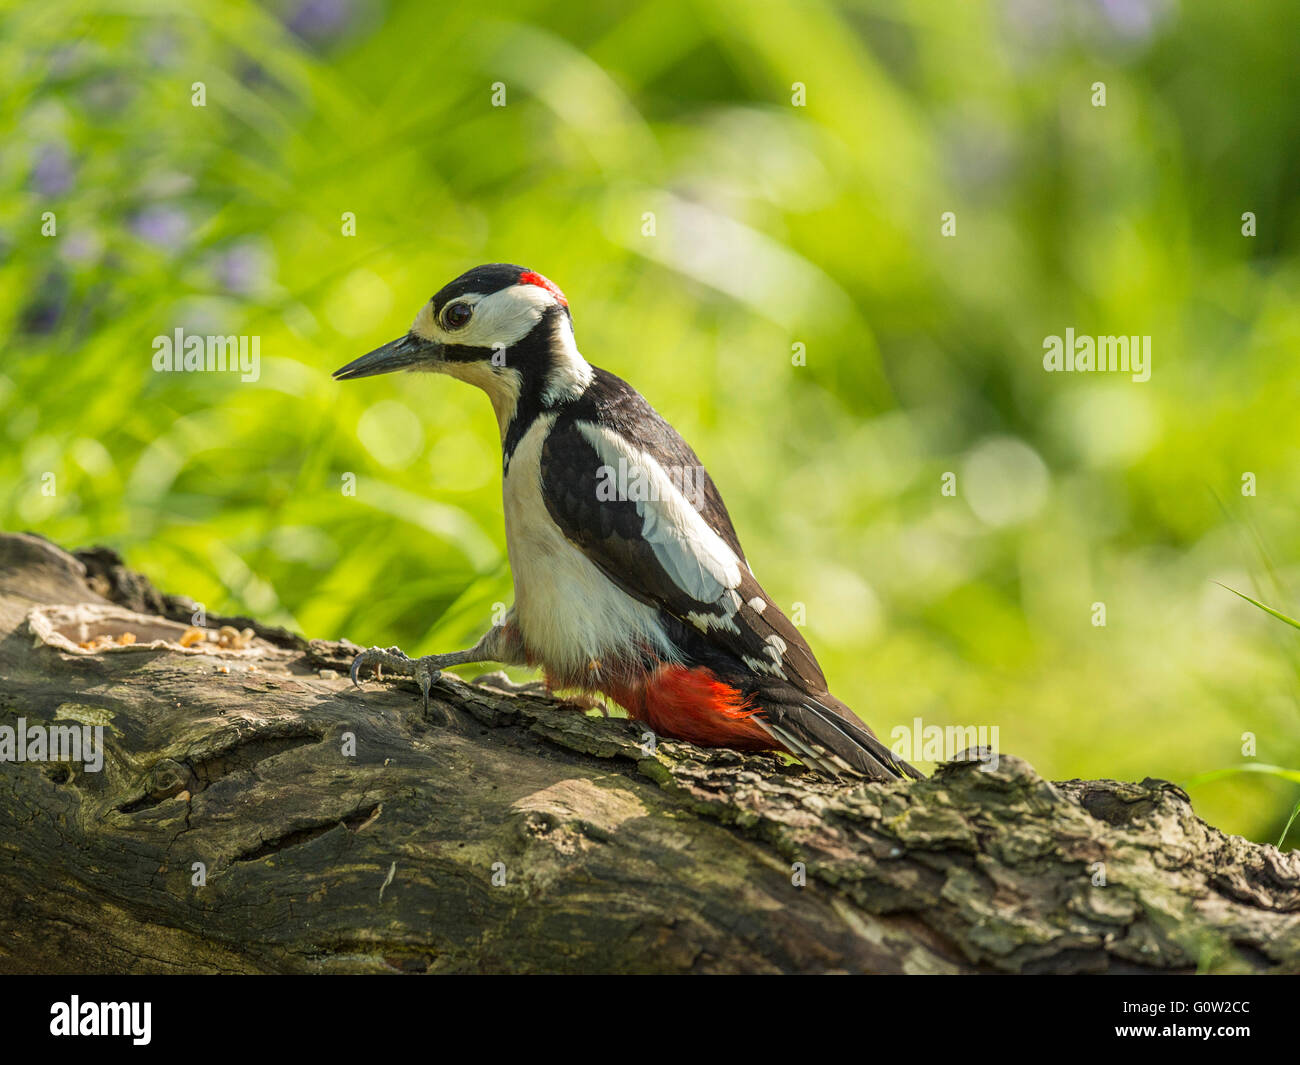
422	670
377	657
424	678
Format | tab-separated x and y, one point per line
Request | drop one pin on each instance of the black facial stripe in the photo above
466	353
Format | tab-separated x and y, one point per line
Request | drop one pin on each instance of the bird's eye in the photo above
456	315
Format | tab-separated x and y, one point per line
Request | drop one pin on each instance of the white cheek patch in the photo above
501	383
425	326
500	319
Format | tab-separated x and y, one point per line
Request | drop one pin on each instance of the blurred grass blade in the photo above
1267	609
1290	821
1292	775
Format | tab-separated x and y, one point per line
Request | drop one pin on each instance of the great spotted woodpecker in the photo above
629	577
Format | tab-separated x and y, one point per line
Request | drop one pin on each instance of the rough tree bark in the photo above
612	859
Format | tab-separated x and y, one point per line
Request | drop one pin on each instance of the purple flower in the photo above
243	268
320	20
45	310
52	174
1131	18
162	226
81	247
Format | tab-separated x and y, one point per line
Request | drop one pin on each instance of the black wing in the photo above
686	561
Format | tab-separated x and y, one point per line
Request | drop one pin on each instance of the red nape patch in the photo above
693	705
528	277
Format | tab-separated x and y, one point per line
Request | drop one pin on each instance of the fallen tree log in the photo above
255	813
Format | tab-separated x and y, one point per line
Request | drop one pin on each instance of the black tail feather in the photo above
822	731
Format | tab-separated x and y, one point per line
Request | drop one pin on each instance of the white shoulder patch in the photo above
697	558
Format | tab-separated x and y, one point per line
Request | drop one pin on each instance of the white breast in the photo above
569	612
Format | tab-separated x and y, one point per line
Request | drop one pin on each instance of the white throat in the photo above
501	384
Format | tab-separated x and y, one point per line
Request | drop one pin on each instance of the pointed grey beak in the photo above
399	354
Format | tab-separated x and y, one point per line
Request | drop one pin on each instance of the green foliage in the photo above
1292	775
775	225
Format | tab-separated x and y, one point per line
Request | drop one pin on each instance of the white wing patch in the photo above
764	665
696	558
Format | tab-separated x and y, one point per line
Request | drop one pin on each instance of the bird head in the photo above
503	328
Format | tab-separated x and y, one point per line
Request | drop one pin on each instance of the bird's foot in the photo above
498	681
396	661
584	701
